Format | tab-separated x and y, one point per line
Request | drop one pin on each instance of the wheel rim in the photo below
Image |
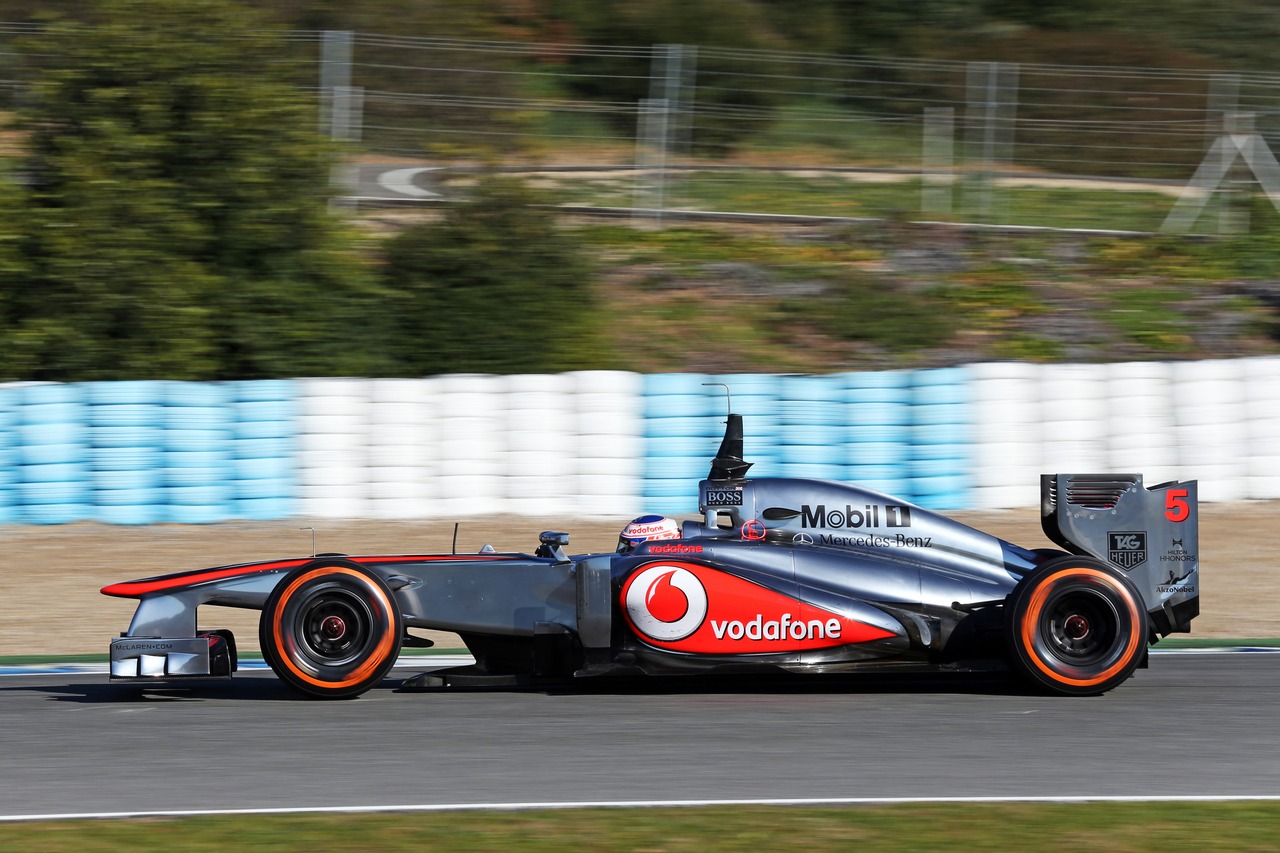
333	626
1081	627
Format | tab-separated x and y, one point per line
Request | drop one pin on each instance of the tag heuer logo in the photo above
1127	548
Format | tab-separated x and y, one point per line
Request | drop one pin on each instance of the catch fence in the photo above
683	128
672	130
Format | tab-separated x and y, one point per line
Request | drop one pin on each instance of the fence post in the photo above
661	116
938	160
340	108
990	109
1221	104
687	99
335	73
651	160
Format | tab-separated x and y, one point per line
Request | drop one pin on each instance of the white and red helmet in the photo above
646	528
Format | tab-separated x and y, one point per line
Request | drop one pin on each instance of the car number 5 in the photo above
1176	507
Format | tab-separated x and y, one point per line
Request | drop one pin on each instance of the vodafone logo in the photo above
666	603
675	549
692	608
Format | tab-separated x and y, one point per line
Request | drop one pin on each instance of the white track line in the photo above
653	804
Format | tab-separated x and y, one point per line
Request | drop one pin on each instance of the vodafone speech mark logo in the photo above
688	607
666	603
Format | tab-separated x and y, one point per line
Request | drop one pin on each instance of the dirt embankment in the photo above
50	576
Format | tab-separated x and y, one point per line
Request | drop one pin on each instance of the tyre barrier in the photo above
538	475
1209	426
197	453
125	418
401	459
9	450
263	427
876	436
940	423
617	443
1262	415
608	434
680	435
52	430
810	427
471	444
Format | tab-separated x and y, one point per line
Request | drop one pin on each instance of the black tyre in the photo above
331	629
1075	626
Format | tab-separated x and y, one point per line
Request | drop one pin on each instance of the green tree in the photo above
729	88
175	220
494	287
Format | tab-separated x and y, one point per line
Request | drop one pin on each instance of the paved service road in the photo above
1190	725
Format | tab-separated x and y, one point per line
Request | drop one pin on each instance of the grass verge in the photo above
1116	827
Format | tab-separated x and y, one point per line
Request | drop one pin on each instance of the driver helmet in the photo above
645	528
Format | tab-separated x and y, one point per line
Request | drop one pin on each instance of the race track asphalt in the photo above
1191	725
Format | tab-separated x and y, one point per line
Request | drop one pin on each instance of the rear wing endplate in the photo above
1151	534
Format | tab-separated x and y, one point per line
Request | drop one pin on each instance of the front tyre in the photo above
331	629
1075	626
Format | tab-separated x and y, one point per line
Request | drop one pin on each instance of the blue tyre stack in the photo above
681	434
126	435
197	452
877	437
940	438
811	430
755	397
263	439
53	485
8	454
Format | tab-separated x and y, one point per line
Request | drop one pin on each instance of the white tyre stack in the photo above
333	445
608	452
1005	407
1075	418
1262	413
540	426
1209	417
403	448
471	444
1142	440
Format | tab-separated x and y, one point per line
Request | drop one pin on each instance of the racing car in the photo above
799	575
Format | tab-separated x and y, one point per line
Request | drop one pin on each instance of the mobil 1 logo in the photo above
1127	548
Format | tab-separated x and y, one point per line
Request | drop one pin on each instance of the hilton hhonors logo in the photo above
1127	548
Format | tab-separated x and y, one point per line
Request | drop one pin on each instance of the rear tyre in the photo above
331	629
1075	626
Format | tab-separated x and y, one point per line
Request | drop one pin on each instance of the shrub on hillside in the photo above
494	288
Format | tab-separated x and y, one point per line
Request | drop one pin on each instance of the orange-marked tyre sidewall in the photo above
360	602
1105	604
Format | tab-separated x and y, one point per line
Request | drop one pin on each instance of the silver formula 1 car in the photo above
800	575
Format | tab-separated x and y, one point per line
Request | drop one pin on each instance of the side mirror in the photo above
553	544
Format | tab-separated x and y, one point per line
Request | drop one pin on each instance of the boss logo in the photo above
1127	548
724	497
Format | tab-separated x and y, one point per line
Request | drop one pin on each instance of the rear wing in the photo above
1151	534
